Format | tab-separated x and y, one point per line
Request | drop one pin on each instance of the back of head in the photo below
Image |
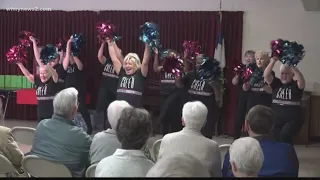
134	58
134	128
260	119
247	156
114	111
262	54
65	102
194	114
178	165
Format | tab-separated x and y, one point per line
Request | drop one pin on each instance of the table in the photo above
7	91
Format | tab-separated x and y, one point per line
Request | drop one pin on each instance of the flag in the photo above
219	53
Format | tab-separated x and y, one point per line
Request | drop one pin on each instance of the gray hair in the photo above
65	101
114	111
260	119
134	128
194	114
178	165
246	155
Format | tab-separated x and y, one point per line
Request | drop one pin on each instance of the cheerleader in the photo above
242	96
75	78
46	88
204	90
286	100
171	103
108	87
259	93
132	75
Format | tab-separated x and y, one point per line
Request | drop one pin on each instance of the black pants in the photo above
84	110
212	117
285	128
105	97
240	115
170	114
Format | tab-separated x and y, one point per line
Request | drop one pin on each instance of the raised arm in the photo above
145	61
78	63
299	78
66	59
101	57
267	74
115	60
186	62
217	91
26	73
235	80
61	57
35	51
156	67
118	52
53	73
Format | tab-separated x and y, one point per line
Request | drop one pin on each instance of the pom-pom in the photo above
173	65
149	33
192	48
48	53
77	42
288	52
107	30
247	73
210	69
24	38
17	54
61	45
239	69
256	76
164	54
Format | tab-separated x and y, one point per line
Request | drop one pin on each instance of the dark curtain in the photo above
175	27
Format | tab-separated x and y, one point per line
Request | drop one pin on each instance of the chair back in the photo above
23	135
91	171
6	168
223	149
38	167
155	149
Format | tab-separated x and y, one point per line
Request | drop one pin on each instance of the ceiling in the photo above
311	5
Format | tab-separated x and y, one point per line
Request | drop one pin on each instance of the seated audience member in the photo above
9	148
105	143
133	130
280	158
178	165
190	140
59	140
246	157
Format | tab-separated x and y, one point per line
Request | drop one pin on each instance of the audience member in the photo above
178	165
190	140
59	140
105	143
133	130
280	158
246	157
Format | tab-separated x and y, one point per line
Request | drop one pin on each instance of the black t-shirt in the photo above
198	89
62	75
75	78
286	98
109	78
131	87
45	94
167	83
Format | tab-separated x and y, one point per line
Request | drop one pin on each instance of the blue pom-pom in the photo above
257	76
149	33
77	42
210	68
49	53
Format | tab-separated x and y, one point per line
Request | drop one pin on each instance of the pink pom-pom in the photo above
107	30
24	38
17	54
192	48
173	65
247	74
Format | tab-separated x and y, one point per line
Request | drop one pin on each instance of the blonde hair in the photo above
262	54
133	57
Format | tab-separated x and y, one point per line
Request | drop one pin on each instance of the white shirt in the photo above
194	143
124	163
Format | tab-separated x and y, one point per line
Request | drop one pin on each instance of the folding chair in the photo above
6	168
155	149
38	167
222	148
23	135
91	171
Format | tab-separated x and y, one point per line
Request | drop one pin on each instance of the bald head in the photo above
286	73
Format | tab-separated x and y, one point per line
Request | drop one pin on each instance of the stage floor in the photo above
308	156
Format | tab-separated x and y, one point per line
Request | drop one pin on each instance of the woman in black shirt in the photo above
286	100
75	78
46	89
171	102
108	87
132	75
204	90
242	96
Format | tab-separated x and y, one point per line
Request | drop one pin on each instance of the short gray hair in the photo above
247	155
114	111
65	101
194	114
178	165
134	128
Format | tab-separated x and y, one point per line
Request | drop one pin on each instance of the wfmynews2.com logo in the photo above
28	9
